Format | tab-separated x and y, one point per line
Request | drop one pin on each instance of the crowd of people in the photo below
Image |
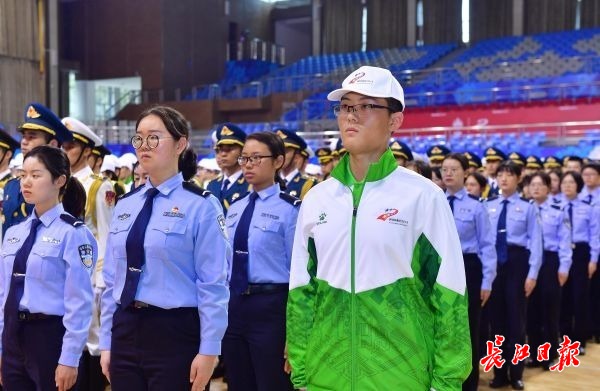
380	270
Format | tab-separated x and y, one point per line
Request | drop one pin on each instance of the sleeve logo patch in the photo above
221	221
86	253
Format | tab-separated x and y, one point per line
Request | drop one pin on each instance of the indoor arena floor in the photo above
584	377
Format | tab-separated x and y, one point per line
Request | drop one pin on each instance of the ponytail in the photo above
187	163
56	162
74	198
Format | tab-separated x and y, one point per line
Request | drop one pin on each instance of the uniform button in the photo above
15	214
167	230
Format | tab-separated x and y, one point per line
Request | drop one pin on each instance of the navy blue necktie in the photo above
501	243
239	272
134	246
570	210
17	280
451	201
225	185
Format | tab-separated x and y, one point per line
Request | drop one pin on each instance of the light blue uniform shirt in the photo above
187	254
586	225
590	196
58	276
522	227
475	233
270	237
556	231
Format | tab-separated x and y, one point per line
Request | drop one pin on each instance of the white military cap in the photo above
81	132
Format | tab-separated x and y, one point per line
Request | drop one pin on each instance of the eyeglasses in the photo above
254	159
151	141
367	108
451	171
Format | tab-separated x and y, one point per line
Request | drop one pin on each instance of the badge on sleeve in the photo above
221	221
86	254
110	197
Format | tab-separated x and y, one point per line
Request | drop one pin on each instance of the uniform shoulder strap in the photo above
131	192
75	222
480	199
290	199
492	198
554	206
192	187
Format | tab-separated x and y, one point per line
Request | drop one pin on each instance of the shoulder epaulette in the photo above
131	192
526	200
492	198
480	199
74	221
554	206
290	199
586	202
189	186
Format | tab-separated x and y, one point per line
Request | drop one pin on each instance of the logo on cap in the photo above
395	145
31	113
490	151
436	150
357	76
322	152
226	131
68	125
281	134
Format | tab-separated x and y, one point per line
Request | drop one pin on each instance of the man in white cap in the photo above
99	206
377	283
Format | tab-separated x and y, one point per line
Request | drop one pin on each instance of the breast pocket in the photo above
120	227
166	237
518	223
45	261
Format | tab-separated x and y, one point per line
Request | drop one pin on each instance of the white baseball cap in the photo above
109	163
370	81
127	160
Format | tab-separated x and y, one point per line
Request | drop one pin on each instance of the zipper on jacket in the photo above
353	341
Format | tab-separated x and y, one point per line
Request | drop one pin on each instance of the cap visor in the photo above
336	95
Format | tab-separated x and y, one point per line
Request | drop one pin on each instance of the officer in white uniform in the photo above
98	212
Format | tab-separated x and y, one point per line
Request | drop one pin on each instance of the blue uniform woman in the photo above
519	253
164	310
544	303
477	242
45	284
261	229
584	220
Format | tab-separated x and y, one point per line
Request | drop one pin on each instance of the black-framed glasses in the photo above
151	141
254	159
367	108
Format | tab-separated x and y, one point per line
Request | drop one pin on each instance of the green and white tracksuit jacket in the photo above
377	285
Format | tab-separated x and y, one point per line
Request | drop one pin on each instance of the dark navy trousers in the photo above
474	276
254	343
508	309
152	349
30	353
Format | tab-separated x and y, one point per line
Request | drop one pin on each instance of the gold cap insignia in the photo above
32	113
225	131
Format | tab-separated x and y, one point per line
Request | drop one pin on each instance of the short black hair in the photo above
462	159
545	178
480	179
576	177
593	166
394	105
510	167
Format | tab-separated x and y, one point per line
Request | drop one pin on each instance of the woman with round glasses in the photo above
477	242
164	310
261	230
